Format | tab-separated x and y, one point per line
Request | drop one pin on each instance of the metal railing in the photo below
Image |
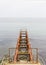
41	60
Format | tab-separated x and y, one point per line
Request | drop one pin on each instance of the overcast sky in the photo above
22	8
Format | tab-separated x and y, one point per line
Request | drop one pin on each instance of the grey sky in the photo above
22	8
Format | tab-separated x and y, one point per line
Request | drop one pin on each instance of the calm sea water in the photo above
11	40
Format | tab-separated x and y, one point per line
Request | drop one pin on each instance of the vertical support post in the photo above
9	55
37	56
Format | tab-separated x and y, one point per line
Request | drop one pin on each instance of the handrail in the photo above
41	60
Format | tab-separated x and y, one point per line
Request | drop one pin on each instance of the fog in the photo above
23	14
34	25
10	28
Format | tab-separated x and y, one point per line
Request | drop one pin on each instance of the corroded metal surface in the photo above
23	50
